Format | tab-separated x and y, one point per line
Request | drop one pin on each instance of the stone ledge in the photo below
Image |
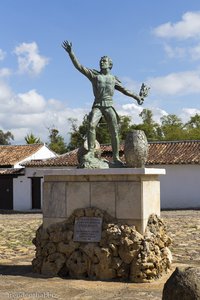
114	171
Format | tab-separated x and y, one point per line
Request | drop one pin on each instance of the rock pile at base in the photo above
122	253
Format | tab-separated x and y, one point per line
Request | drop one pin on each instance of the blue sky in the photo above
156	42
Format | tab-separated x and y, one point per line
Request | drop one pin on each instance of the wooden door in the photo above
36	192
6	192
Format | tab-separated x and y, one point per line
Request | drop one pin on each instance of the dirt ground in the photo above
17	281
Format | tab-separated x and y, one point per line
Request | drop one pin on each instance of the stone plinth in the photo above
129	195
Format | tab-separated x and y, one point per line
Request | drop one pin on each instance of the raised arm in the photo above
126	92
68	48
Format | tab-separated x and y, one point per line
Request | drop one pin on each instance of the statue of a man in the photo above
104	85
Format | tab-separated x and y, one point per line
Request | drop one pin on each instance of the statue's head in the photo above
106	62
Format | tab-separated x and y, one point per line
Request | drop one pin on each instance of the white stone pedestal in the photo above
128	194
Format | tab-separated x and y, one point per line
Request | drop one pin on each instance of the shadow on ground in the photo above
19	270
27	271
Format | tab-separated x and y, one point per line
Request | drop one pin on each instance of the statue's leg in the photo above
111	119
94	118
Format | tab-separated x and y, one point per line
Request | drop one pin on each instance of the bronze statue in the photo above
104	85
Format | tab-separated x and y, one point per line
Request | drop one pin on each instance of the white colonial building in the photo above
18	191
180	187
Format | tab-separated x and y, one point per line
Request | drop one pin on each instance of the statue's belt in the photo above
100	106
103	103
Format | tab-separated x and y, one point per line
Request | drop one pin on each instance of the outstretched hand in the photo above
140	101
144	91
67	46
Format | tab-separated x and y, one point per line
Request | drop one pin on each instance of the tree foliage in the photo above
124	126
6	137
193	127
194	122
77	133
149	126
170	127
56	141
32	139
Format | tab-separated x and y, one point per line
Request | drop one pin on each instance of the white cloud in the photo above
5	94
188	27
180	83
133	110
31	112
27	112
5	72
158	113
29	59
2	54
187	113
176	83
195	52
30	102
172	52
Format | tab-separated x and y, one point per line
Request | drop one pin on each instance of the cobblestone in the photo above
184	229
16	252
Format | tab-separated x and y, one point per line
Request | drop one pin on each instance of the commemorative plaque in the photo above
87	229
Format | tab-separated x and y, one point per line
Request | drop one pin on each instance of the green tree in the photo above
172	128
194	122
193	127
125	126
32	139
149	126
56	141
148	123
77	133
5	137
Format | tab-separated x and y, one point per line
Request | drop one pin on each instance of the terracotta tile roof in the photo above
11	171
12	154
160	153
67	159
175	152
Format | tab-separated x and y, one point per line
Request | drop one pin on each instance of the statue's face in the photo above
104	63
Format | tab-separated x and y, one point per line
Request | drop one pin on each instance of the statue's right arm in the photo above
68	48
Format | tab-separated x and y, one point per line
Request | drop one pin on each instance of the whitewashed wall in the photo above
22	193
22	197
42	153
180	187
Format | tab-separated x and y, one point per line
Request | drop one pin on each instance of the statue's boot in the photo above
117	162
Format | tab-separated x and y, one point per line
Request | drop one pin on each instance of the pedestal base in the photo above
129	195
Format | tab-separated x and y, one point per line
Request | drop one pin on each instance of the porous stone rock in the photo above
122	253
136	149
88	161
183	284
83	150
